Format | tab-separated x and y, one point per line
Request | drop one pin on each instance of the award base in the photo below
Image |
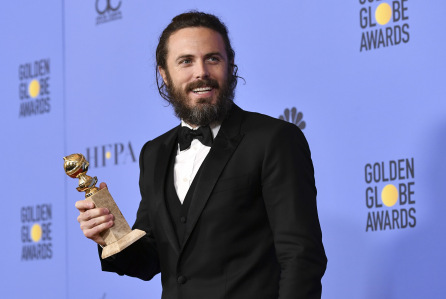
120	235
122	243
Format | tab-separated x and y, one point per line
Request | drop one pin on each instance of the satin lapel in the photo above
224	146
161	167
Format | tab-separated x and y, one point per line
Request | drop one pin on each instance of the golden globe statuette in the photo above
120	235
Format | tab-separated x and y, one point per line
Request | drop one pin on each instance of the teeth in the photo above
202	89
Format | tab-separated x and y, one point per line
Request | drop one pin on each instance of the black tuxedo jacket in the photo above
252	230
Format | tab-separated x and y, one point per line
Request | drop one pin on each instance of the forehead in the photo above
195	41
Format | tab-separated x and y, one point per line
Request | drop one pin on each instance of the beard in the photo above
203	112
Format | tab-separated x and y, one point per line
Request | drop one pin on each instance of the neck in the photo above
192	126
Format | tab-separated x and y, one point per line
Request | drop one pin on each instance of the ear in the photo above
232	65
163	74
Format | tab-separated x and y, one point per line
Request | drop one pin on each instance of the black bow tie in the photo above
186	135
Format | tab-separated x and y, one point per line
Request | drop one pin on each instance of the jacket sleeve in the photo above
289	193
141	258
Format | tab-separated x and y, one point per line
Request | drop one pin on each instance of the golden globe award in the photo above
120	235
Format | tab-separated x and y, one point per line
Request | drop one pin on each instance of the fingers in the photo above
93	221
84	205
95	232
92	213
95	226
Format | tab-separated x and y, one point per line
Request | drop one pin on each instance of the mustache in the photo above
202	83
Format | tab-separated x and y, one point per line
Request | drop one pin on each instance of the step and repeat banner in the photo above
363	79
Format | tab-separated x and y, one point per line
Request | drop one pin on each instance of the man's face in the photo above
197	75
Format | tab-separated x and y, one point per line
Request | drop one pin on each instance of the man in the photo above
228	198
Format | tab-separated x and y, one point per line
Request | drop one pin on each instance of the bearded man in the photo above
228	197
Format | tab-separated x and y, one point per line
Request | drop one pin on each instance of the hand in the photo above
93	220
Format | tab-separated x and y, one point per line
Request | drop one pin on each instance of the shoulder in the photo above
161	139
152	147
267	127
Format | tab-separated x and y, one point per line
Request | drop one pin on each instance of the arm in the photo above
141	258
290	197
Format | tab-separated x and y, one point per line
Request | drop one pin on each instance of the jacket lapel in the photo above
221	151
161	167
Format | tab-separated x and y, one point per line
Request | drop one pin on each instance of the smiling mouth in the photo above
202	90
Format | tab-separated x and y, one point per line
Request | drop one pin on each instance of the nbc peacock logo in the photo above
294	117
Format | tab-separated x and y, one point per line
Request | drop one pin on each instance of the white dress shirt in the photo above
187	162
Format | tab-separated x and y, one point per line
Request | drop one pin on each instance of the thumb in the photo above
102	186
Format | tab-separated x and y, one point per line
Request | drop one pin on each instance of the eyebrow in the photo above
184	56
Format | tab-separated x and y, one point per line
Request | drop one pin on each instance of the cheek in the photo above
180	77
222	74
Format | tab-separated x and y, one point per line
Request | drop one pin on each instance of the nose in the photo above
201	71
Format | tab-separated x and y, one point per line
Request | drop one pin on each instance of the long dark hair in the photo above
193	19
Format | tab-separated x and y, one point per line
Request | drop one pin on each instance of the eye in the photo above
185	61
214	59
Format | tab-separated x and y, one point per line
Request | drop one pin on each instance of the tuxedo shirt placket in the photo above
187	164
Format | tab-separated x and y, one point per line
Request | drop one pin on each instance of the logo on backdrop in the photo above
36	232
383	24
390	195
293	117
34	88
108	10
110	154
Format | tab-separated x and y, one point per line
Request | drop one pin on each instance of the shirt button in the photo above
183	219
181	279
185	180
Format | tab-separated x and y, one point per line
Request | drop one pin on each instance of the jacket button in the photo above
183	219
181	279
